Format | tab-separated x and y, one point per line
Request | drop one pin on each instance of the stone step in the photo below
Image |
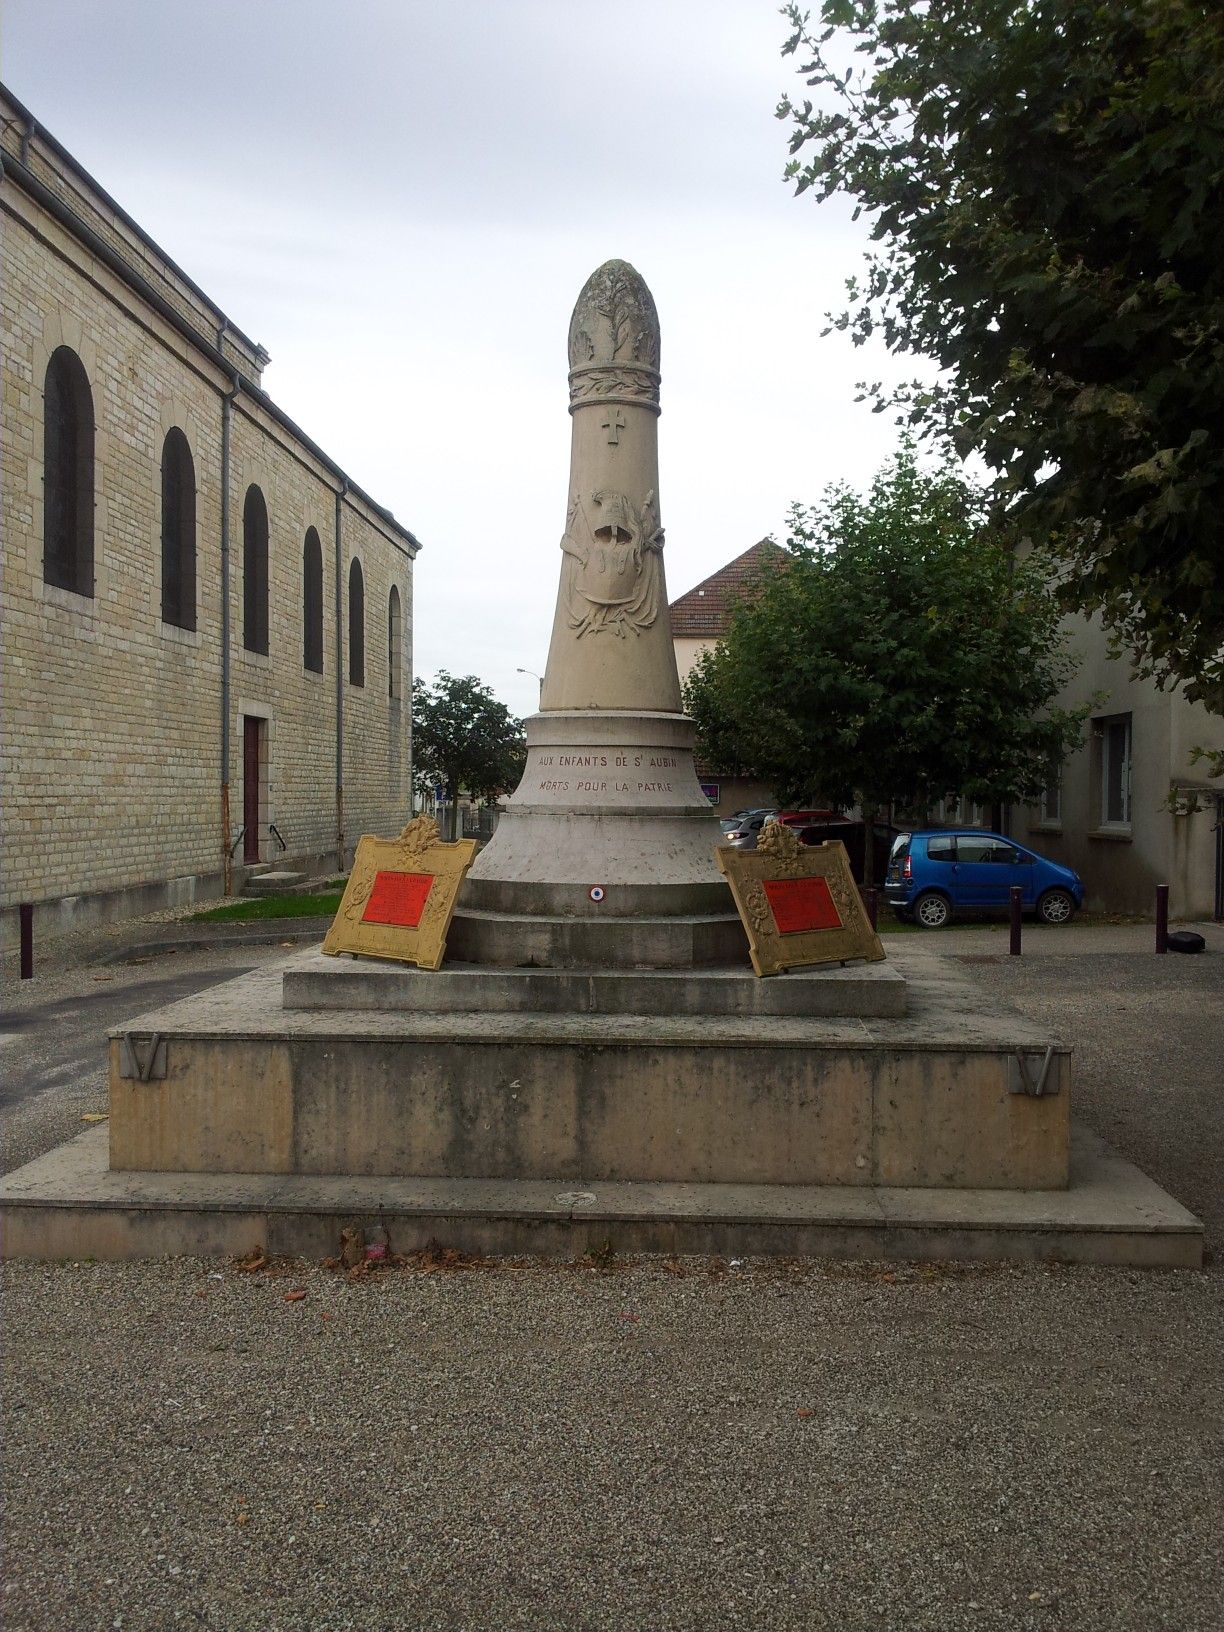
70	1205
272	883
521	940
314	981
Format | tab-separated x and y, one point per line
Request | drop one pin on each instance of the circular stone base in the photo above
519	941
609	801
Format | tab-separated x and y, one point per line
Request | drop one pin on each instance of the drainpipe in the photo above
227	863
340	495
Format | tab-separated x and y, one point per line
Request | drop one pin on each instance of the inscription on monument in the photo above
633	771
545	785
618	761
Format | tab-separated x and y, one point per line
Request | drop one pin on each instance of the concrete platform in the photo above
233	1082
70	1204
866	990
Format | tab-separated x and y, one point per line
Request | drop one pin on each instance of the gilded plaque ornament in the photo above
401	895
798	903
781	844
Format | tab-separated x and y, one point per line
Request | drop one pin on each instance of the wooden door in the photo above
250	788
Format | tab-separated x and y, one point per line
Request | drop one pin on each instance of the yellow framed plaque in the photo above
401	895
798	903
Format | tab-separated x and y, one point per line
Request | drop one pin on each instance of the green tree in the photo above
1044	178
463	739
899	656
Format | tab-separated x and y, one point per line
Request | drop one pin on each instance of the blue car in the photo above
933	874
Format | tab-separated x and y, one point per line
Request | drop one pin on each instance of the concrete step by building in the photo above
272	883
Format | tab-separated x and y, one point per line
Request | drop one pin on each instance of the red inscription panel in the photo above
398	898
800	904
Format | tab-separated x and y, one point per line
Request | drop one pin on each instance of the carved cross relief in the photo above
613	422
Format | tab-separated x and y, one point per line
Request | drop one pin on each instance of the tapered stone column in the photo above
609	820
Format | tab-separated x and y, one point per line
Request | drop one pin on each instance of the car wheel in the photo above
932	910
1056	907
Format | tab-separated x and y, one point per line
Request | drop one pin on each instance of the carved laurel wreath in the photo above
607	381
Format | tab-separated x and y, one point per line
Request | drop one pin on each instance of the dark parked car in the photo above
933	874
853	834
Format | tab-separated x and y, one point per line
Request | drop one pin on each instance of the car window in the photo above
1023	858
900	847
974	847
940	848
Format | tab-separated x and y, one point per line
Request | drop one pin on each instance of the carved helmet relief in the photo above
614	337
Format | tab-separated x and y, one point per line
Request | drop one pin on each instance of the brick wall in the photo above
112	719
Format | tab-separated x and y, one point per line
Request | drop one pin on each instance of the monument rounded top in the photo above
615	323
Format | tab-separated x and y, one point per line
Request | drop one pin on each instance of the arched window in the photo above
394	641
255	572
312	602
356	625
68	474
178	536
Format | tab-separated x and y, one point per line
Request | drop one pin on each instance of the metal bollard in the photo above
25	913
1162	917
1015	906
871	901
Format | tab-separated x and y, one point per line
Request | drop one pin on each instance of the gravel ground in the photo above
645	1445
847	1447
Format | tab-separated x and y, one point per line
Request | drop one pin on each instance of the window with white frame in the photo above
1113	744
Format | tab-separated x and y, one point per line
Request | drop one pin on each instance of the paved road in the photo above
53	1035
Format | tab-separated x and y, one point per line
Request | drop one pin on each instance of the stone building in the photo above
207	626
1132	807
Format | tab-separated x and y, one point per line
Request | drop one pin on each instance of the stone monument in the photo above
596	1062
609	824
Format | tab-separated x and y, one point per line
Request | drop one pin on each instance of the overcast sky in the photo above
401	199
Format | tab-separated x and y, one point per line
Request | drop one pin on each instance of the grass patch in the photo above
273	906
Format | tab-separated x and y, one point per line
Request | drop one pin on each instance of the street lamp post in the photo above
534	676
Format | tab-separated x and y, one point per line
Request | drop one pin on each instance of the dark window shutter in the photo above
178	532
356	625
255	572
68	474
312	603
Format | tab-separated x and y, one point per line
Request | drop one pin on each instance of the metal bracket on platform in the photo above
142	1057
1036	1087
